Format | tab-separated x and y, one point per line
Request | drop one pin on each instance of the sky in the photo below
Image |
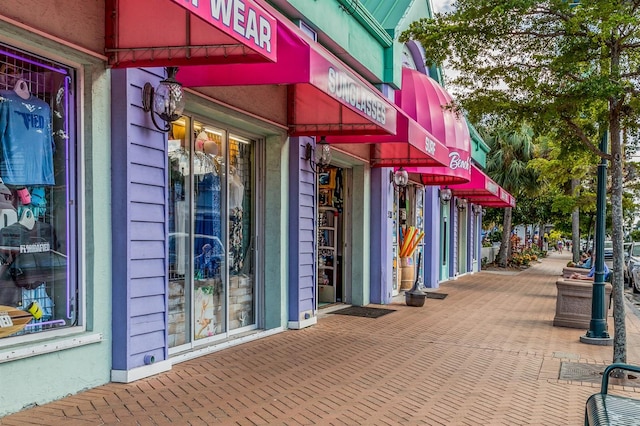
441	5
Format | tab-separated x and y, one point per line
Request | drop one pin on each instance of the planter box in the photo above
490	253
573	303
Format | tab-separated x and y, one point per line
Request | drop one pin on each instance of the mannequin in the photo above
200	140
22	89
211	147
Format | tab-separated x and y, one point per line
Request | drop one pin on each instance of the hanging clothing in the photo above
179	158
236	190
26	141
235	241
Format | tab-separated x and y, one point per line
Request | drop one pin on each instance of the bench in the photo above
605	409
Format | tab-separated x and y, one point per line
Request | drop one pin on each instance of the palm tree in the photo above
507	164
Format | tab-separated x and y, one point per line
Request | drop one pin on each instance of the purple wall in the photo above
471	230
139	223
431	257
381	237
302	230
453	252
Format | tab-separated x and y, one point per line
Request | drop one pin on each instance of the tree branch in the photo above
630	46
583	137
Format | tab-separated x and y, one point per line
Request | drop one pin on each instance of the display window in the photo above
38	288
212	286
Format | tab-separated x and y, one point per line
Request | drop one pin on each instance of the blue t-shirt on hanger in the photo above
26	141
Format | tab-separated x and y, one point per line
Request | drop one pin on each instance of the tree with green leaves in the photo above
507	163
566	170
572	65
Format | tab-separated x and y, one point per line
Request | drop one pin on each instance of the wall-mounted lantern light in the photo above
461	203
399	178
445	195
320	156
166	101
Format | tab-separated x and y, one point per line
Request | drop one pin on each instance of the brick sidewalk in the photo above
487	354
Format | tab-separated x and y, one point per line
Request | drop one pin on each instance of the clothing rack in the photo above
38	74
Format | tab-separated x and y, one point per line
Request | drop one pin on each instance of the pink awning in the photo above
507	200
412	145
326	97
424	99
483	190
159	33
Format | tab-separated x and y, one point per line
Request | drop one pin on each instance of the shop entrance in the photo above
408	236
213	290
332	209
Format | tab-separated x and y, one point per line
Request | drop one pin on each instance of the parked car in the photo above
628	249
608	249
633	267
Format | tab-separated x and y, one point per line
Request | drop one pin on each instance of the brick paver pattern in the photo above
487	354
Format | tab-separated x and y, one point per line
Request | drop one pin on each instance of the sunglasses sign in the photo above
352	91
342	86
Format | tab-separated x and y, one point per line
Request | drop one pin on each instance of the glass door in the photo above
208	248
212	285
241	233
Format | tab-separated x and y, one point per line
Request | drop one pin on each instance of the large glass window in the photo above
38	289
211	227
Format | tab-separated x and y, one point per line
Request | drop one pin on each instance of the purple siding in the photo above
381	272
302	231
139	197
471	248
453	251
431	256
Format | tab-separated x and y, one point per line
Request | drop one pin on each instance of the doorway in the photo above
332	210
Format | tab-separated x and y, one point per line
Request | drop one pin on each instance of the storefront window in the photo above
241	265
38	289
211	264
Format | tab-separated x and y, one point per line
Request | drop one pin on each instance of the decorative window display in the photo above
211	267
37	292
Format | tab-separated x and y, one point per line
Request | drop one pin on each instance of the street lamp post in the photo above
597	333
